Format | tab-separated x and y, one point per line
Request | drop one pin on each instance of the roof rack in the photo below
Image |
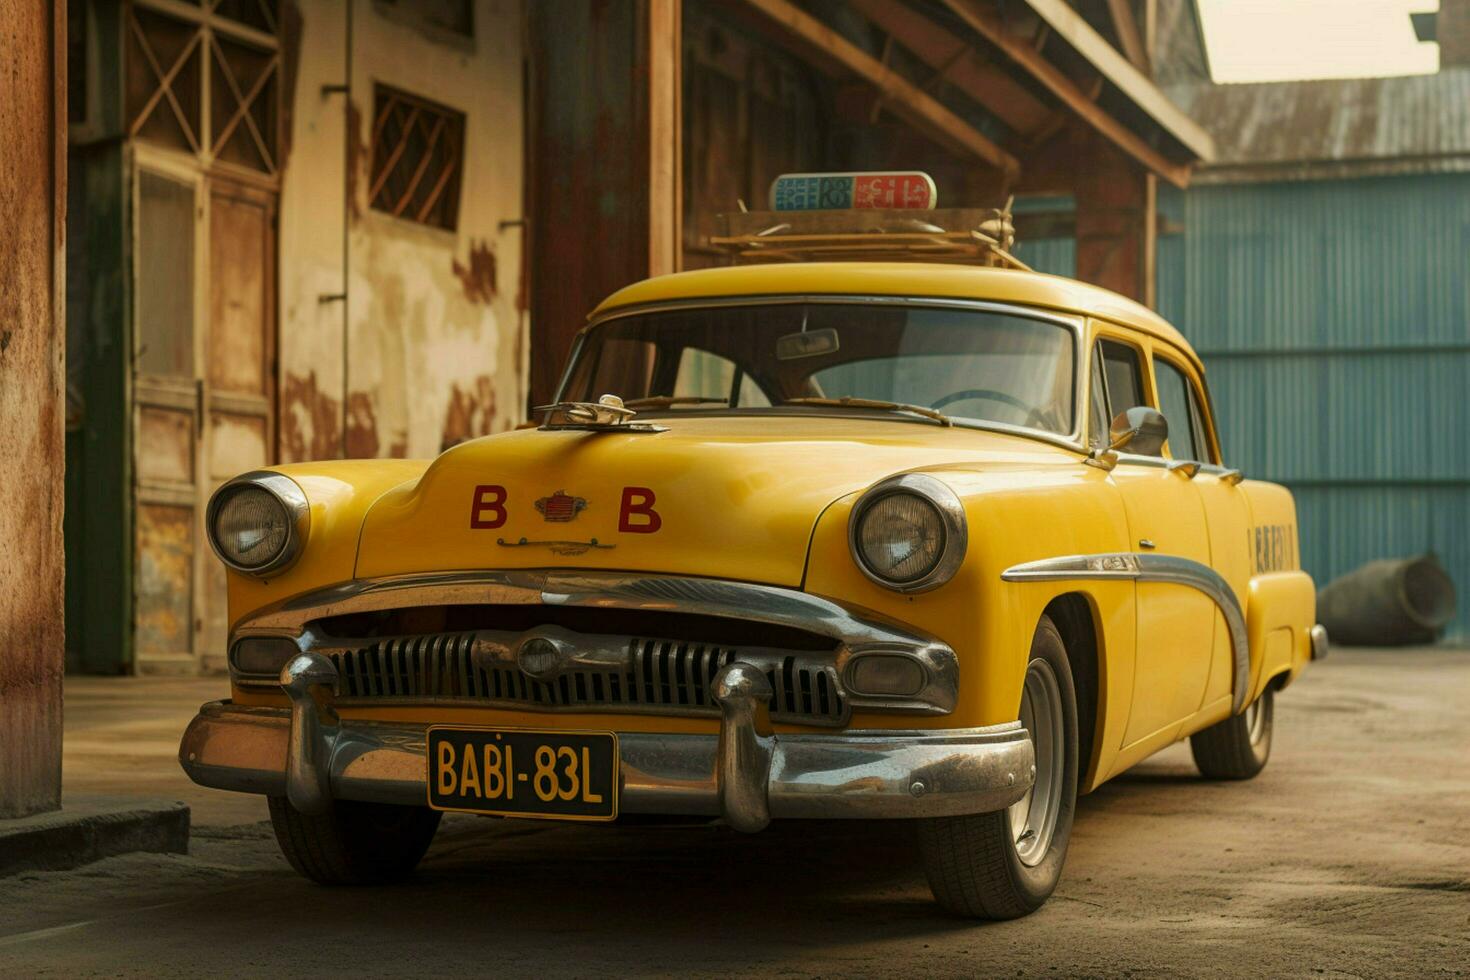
966	236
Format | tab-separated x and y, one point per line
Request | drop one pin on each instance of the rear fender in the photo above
1280	611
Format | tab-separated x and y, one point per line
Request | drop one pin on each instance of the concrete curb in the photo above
90	828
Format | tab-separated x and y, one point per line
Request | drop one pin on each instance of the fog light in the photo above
262	654
885	675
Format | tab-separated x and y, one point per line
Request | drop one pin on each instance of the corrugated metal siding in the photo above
1334	321
1057	256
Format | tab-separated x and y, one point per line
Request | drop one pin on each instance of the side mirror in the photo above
1141	429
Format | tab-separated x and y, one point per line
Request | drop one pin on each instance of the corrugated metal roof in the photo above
1334	127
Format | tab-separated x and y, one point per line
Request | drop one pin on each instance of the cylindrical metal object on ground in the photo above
1390	602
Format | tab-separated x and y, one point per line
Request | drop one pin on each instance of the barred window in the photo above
418	154
203	78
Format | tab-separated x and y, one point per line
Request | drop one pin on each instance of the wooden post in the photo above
1117	219
665	135
32	402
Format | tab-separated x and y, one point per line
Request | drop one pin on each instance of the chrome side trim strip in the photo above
1154	568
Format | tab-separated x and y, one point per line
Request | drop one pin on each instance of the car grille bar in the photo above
646	675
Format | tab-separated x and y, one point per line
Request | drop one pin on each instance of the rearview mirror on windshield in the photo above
808	343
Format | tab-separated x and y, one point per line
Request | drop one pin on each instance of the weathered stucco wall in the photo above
32	369
309	229
435	330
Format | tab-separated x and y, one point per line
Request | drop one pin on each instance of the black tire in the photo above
972	862
1238	747
354	843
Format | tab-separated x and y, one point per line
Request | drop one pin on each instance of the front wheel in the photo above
1005	864
1238	747
354	843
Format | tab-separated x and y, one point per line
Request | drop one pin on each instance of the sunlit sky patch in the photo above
1277	40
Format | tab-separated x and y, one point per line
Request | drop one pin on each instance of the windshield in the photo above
971	365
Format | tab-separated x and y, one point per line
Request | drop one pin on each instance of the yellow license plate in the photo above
518	772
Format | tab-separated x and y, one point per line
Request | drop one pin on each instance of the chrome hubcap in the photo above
1255	721
1034	816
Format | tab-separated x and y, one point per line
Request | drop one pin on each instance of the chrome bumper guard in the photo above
746	774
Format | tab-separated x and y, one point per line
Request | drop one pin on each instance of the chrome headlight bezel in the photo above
946	504
293	502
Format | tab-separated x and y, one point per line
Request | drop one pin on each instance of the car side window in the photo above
1097	435
1176	403
1123	371
1197	420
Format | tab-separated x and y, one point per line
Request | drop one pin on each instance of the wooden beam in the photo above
665	129
984	22
959	65
1071	28
1117	219
811	38
1129	35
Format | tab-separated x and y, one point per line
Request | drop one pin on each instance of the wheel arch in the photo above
1075	617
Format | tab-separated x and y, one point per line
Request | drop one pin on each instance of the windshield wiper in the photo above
928	413
664	401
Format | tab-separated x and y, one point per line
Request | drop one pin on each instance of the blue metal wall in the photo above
1334	320
1057	256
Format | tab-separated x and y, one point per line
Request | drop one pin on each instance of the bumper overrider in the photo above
746	774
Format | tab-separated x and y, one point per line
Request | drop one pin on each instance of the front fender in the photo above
339	493
1015	515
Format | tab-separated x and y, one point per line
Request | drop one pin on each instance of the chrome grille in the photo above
659	676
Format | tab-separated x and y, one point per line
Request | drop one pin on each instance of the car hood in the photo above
726	497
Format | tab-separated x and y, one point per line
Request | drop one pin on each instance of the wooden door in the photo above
203	394
166	406
239	380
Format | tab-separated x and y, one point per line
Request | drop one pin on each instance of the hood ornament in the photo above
607	414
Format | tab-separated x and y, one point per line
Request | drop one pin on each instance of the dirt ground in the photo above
1348	856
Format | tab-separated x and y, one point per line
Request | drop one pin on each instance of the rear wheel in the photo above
354	843
1238	747
1005	864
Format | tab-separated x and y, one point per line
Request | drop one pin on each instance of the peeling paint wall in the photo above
434	332
310	230
32	370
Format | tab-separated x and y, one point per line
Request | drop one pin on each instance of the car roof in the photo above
918	279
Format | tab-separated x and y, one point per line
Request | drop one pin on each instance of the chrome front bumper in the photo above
745	774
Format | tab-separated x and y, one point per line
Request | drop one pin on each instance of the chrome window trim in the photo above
951	514
1075	322
1154	568
289	495
852	633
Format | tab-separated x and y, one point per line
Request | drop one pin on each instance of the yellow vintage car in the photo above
881	541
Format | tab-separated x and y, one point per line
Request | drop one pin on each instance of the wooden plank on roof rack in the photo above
825	46
984	22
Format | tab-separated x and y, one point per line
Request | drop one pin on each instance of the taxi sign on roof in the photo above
894	189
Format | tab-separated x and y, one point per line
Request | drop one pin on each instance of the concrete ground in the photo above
1348	856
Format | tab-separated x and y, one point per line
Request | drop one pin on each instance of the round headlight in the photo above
909	533
901	537
256	522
